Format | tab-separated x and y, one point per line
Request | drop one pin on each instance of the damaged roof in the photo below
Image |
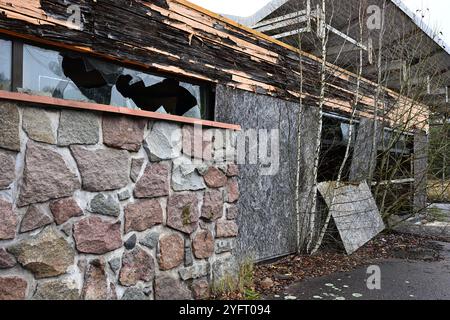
283	20
177	37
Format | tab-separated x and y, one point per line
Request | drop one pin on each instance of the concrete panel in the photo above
361	168
354	211
267	217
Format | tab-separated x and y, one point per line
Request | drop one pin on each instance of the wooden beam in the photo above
346	37
279	19
283	24
290	33
72	104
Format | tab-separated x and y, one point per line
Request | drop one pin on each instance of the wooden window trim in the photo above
17	65
72	104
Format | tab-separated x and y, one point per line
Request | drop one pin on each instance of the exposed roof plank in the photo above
177	37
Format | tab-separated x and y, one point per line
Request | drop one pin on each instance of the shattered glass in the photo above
75	77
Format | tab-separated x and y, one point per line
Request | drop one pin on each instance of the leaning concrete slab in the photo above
354	211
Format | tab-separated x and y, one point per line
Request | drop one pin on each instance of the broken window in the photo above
5	64
396	142
394	159
335	137
394	173
73	76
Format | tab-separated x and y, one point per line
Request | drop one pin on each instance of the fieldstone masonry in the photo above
98	206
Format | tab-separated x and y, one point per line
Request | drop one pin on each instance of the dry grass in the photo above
240	288
438	191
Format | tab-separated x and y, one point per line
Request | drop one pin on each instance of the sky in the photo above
435	11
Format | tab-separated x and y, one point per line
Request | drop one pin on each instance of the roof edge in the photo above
258	15
261	35
422	25
275	4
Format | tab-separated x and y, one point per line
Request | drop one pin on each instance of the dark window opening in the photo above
394	156
72	76
393	166
396	142
335	137
439	154
5	64
330	160
395	198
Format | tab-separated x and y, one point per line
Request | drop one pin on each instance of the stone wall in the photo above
100	206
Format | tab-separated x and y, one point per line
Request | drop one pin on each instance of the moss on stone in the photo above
186	215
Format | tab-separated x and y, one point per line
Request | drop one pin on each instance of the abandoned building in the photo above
102	103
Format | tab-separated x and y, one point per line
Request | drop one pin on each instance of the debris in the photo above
354	211
329	261
283	276
267	283
357	295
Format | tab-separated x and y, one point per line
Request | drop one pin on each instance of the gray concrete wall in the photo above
361	168
267	215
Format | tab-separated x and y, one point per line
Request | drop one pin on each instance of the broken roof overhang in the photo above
220	50
272	6
437	97
424	27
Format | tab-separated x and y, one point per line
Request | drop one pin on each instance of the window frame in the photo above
207	89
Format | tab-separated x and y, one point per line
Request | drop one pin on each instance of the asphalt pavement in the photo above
399	279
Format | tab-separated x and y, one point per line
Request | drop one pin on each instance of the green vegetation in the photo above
242	287
186	215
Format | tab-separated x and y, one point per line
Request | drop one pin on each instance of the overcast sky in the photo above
436	11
